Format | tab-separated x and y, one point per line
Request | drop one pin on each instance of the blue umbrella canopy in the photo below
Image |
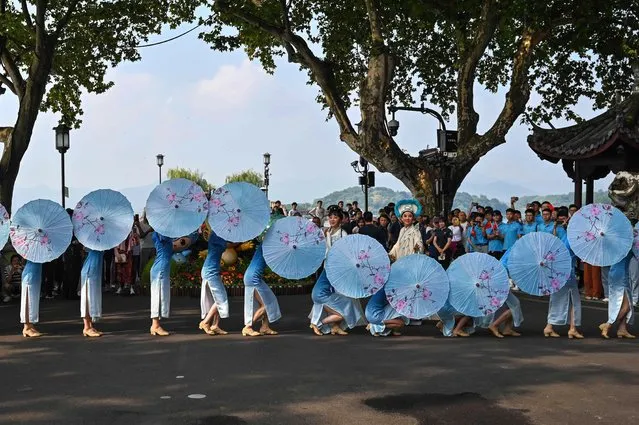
600	234
478	284
238	211
102	219
41	231
539	264
635	242
4	226
176	208
357	266
417	287
294	247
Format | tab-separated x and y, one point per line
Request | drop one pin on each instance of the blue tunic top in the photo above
375	307
92	266
32	273
163	253
618	275
211	266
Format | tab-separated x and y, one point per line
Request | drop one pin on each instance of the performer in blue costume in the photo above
619	305
382	317
214	302
91	292
161	283
332	312
565	305
260	302
30	298
510	314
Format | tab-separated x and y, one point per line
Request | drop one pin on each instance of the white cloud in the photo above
232	86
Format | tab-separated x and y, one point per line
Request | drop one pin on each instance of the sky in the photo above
219	113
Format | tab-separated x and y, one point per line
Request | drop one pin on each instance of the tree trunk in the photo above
16	146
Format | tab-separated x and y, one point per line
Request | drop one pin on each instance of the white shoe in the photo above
6	299
605	300
132	292
119	291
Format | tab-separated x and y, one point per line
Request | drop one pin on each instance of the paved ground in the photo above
129	377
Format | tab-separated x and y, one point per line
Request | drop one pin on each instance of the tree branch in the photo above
62	23
373	19
13	72
25	13
515	103
320	70
7	82
467	117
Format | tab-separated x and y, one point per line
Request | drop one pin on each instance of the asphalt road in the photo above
129	377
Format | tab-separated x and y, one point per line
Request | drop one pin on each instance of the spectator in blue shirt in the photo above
560	225
511	230
477	236
548	226
530	225
536	207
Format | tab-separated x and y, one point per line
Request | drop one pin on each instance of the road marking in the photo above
197	396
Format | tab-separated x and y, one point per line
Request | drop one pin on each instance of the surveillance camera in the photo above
393	127
354	164
2	90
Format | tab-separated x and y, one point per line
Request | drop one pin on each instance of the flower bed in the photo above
186	277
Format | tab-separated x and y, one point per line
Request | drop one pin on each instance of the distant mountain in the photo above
496	189
463	201
21	195
382	196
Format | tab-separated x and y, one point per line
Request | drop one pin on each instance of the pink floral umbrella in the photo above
357	266
4	225
41	231
102	219
478	284
176	208
600	234
238	211
539	263
294	247
635	242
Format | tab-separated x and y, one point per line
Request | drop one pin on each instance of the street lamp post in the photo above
160	161
366	179
267	173
438	159
62	145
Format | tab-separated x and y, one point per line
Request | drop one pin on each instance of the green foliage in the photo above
84	38
582	48
194	175
248	176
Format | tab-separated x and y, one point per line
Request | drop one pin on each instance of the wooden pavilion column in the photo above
590	190
578	185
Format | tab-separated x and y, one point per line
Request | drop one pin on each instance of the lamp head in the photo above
160	159
267	158
62	142
393	127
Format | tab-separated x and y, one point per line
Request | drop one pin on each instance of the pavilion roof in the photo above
592	137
